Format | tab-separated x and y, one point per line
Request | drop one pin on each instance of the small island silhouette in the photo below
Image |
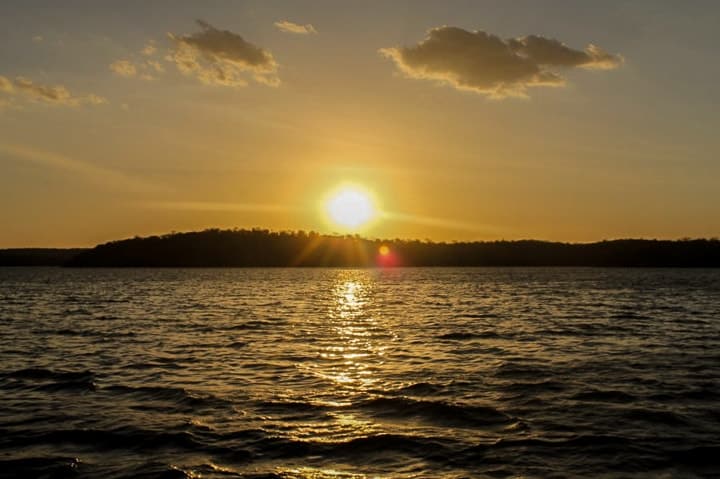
265	248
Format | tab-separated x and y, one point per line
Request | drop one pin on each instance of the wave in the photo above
293	410
655	416
124	438
701	455
88	333
630	315
463	336
701	393
158	364
421	389
477	316
131	438
67	332
534	387
176	395
41	373
381	443
159	470
44	466
513	370
49	380
247	325
609	452
436	412
597	443
358	448
605	396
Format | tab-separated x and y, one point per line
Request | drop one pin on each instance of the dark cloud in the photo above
222	57
487	64
551	52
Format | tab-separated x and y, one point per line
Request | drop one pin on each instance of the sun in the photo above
350	207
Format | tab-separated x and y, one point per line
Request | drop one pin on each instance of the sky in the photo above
466	120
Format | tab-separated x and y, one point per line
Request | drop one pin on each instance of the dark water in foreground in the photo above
335	373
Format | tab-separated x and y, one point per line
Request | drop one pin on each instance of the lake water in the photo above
342	373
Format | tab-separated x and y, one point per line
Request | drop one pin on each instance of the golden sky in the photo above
466	120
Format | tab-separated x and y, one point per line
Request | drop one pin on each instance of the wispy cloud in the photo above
56	95
290	27
144	68
52	94
106	177
149	49
124	68
155	65
489	65
439	222
5	84
222	57
216	206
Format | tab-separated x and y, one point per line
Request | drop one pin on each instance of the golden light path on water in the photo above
348	354
356	345
350	362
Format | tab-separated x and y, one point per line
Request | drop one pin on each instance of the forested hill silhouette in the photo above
260	247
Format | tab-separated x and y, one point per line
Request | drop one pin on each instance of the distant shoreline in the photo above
264	248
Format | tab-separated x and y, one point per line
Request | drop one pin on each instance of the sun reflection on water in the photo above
353	352
350	347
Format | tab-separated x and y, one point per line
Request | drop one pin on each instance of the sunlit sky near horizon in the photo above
464	119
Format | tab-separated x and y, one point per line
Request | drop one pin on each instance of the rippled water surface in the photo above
338	373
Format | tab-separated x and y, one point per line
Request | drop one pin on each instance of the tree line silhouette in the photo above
262	247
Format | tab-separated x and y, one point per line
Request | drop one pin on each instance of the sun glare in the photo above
350	207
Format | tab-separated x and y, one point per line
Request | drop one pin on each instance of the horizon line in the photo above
367	238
